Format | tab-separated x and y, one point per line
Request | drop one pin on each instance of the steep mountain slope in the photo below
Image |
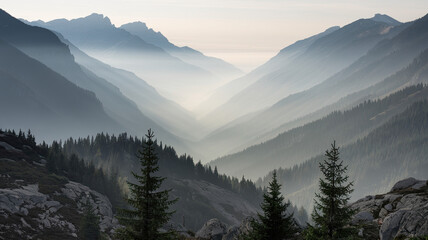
284	57
46	47
323	58
380	62
41	99
202	191
166	113
98	37
216	66
391	152
299	144
415	73
36	204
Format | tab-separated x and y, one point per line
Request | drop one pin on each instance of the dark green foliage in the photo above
376	161
275	223
71	167
331	214
117	154
149	205
300	143
89	225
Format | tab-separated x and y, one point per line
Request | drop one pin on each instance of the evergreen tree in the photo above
149	205
275	223
90	224
331	213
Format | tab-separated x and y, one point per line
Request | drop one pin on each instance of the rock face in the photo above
403	212
36	204
214	229
26	213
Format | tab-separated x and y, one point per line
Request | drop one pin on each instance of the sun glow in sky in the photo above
243	32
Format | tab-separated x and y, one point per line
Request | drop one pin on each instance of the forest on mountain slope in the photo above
396	150
301	143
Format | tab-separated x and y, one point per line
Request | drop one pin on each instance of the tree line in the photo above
116	155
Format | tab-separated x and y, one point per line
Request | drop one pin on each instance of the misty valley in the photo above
115	132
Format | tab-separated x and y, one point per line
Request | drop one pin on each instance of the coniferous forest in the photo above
225	120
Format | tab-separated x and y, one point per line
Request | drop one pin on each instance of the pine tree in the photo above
89	225
331	213
275	223
149	205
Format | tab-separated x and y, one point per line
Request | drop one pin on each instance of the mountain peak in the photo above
136	25
385	19
96	18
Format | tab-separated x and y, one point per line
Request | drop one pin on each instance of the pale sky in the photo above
245	33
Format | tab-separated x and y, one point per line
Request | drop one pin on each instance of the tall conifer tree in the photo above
331	212
150	206
275	223
90	224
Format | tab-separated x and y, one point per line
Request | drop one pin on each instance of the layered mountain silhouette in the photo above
286	55
218	67
44	46
43	100
384	59
309	140
304	65
165	112
99	38
395	150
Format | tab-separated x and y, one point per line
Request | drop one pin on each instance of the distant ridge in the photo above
177	79
385	19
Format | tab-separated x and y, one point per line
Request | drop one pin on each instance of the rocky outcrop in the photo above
26	213
100	204
214	229
403	212
37	204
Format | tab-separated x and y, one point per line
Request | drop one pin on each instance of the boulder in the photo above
362	217
402	212
214	229
408	183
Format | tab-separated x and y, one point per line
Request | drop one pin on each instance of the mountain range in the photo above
363	85
386	58
44	46
99	38
303	65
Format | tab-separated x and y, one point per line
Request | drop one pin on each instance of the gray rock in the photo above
9	147
362	217
388	207
212	230
361	232
408	183
18	202
390	225
383	212
404	213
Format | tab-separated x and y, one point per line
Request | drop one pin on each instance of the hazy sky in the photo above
243	32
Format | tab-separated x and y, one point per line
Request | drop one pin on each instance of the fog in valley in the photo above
363	85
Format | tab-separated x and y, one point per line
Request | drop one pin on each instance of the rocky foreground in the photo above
400	214
26	213
36	204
